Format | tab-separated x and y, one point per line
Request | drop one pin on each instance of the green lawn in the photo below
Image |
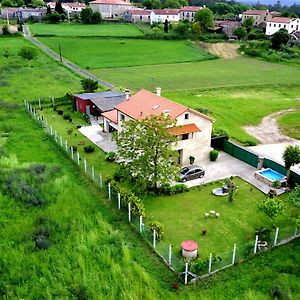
21	79
237	72
183	218
290	124
97	53
66	29
235	107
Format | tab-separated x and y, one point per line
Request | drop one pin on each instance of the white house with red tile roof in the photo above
139	15
188	12
259	16
69	7
278	23
110	9
170	14
193	129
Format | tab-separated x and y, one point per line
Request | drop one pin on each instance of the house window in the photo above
279	25
284	26
185	136
270	24
122	117
141	17
186	116
274	25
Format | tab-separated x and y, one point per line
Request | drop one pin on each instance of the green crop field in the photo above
290	124
21	79
206	74
66	29
235	107
97	53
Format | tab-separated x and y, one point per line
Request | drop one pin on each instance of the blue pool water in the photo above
272	175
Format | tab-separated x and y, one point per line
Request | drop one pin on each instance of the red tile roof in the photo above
114	2
111	115
166	11
255	12
145	103
75	4
184	129
281	20
190	8
139	12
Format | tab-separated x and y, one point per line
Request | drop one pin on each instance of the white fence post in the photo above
100	181
51	130
154	238
119	201
78	158
66	143
141	222
61	141
72	153
129	212
40	105
93	173
109	191
170	255
186	273
84	162
276	236
255	244
209	264
234	252
53	101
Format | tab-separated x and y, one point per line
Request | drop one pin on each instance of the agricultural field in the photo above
95	53
22	79
182	216
290	124
67	29
217	73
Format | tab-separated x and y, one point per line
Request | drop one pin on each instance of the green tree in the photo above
152	4
272	207
145	148
7	3
96	18
37	3
240	33
28	52
291	156
166	26
58	8
54	17
86	15
196	29
205	17
172	4
89	85
280	39
294	196
248	24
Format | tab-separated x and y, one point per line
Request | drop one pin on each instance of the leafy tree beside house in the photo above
145	148
89	85
89	17
291	157
58	8
248	24
205	17
280	39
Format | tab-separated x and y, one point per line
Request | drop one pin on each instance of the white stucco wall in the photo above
273	27
110	10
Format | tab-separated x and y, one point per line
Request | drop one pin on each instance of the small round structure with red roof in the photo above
189	249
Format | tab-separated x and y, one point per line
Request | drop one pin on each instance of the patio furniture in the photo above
212	212
217	215
206	215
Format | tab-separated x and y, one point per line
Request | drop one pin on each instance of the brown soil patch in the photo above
223	50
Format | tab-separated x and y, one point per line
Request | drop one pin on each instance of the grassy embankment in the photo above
290	124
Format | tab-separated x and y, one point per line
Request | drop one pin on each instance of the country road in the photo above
67	63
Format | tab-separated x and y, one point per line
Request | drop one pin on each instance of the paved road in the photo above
67	63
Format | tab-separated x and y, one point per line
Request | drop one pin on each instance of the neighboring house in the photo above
24	13
278	23
188	12
259	16
226	26
97	103
110	9
170	14
193	129
139	15
71	8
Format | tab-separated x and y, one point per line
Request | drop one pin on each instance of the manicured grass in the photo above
21	79
236	107
183	218
290	124
111	53
237	72
66	29
69	132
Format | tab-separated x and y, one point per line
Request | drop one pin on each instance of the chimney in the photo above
158	91
127	95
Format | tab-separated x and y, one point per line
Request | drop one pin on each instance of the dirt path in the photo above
268	132
224	50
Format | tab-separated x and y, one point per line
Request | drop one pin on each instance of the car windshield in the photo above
184	171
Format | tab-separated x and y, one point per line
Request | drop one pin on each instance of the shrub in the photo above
263	233
213	155
110	156
89	149
67	117
28	52
5	30
60	112
250	143
158	227
175	189
42	242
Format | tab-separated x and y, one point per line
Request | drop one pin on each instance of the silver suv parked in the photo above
191	172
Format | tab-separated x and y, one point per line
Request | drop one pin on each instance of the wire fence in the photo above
190	270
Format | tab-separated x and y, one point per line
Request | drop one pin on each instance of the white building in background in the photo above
278	23
193	129
170	14
139	15
110	9
188	12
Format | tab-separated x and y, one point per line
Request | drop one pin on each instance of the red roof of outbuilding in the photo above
189	245
255	12
166	11
184	129
190	8
281	20
116	2
140	12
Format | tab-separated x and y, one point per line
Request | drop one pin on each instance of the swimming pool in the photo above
268	176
